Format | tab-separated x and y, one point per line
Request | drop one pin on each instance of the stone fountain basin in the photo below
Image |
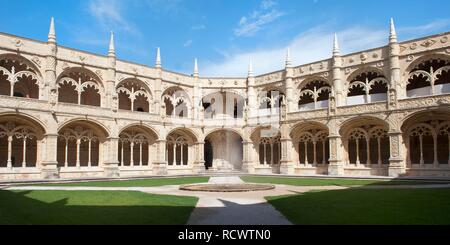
226	187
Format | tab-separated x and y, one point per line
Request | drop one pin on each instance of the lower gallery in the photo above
66	113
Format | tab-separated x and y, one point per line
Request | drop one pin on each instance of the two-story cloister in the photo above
66	113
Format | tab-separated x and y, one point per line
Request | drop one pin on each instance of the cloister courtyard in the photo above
294	200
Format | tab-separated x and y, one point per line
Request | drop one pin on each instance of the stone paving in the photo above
214	208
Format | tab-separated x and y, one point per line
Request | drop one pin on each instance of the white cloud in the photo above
187	43
109	14
425	29
255	21
312	45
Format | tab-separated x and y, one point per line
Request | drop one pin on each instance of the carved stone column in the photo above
248	165
287	166
336	166
160	165
49	169
199	165
290	90
397	163
111	161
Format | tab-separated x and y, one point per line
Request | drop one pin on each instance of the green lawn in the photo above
93	207
374	206
329	182
136	182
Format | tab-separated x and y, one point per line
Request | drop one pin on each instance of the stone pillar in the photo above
395	87
336	166
291	103
340	95
111	161
49	88
160	165
199	164
49	168
248	165
111	97
287	166
251	96
397	163
158	92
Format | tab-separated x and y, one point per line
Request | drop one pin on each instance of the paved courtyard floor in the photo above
239	208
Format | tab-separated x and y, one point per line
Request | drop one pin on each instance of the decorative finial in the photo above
336	50
393	33
250	68
288	58
52	33
195	68
158	58
112	50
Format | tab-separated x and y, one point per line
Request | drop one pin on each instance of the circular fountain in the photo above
226	187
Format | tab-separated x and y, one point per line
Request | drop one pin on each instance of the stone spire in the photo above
336	50
250	68
112	50
288	58
158	58
393	33
195	68
52	33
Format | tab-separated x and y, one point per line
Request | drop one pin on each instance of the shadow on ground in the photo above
392	202
64	207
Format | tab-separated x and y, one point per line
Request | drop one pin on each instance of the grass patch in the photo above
135	182
374	206
331	182
93	207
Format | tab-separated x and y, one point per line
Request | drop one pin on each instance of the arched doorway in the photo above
208	155
224	151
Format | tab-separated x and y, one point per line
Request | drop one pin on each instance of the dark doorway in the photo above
208	154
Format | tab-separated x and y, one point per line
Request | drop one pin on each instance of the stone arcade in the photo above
66	113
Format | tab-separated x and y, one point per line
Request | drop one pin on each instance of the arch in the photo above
305	126
270	99
424	58
223	104
366	141
226	151
187	132
311	143
180	147
150	131
134	95
361	120
98	126
313	78
20	137
427	139
366	85
134	148
428	75
176	102
365	69
79	85
313	93
19	77
16	56
24	118
80	143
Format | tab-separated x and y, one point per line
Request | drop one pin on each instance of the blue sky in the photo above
223	34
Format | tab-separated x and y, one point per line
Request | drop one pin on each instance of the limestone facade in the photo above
66	113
